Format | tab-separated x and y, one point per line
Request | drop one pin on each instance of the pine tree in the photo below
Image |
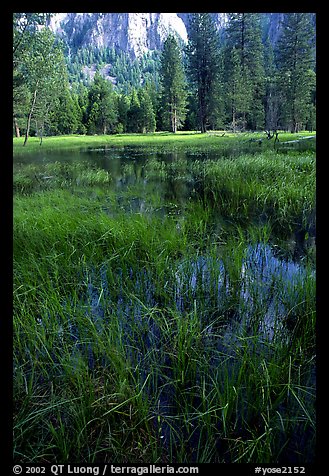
150	86
311	114
146	113
101	111
244	35
295	60
272	93
238	92
133	114
173	94
122	107
66	115
203	55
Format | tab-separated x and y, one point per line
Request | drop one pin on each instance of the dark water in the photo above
125	165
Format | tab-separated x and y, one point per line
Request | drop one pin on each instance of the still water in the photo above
135	180
124	170
160	183
262	304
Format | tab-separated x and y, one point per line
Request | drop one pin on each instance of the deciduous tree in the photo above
43	71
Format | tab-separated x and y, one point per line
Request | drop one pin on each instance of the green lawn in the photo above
187	139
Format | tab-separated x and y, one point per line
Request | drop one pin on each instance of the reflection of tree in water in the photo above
139	171
125	172
175	190
175	187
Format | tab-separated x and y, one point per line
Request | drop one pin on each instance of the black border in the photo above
6	283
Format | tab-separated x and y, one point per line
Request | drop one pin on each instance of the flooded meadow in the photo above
164	306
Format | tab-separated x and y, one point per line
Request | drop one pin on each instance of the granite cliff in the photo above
135	33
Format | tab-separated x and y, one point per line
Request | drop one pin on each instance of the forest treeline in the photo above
236	81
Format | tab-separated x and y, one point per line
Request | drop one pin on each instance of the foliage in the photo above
203	55
116	66
173	92
245	68
295	61
147	116
237	80
41	69
101	111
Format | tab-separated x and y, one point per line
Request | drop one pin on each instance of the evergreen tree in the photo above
66	117
191	121
133	114
122	108
272	93
146	112
203	55
244	81
238	94
101	111
140	115
311	114
245	36
81	93
151	87
174	95
295	60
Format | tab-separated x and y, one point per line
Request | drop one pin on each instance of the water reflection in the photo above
253	312
257	303
270	292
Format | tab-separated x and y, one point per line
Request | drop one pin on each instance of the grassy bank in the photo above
117	140
164	337
165	139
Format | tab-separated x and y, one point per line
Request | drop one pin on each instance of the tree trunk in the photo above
41	134
30	115
244	122
233	121
175	121
17	132
202	109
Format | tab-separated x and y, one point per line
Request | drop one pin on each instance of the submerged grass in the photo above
145	338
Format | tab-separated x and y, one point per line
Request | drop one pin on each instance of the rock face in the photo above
274	21
135	33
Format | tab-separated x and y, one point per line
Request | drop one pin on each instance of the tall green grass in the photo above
140	337
188	140
264	186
